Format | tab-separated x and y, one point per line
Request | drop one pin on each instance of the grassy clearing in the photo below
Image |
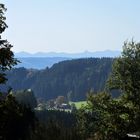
79	104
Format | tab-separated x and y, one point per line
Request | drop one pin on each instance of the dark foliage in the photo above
74	76
58	125
26	97
16	121
66	119
107	118
7	59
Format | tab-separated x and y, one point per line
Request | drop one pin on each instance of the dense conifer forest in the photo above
76	77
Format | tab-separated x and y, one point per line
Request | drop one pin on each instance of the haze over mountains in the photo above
106	53
42	60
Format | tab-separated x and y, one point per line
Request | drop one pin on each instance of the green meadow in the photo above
79	104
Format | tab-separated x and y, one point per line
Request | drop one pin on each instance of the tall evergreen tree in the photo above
16	121
126	77
7	59
107	118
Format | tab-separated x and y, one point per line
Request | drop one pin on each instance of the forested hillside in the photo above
73	78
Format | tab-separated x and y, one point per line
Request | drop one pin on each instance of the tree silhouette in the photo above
7	59
16	121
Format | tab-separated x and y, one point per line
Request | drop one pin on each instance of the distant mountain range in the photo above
106	53
42	60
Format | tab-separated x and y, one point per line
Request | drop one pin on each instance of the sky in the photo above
71	25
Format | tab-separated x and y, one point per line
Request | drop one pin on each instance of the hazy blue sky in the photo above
71	25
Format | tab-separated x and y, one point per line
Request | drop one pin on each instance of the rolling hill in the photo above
75	77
